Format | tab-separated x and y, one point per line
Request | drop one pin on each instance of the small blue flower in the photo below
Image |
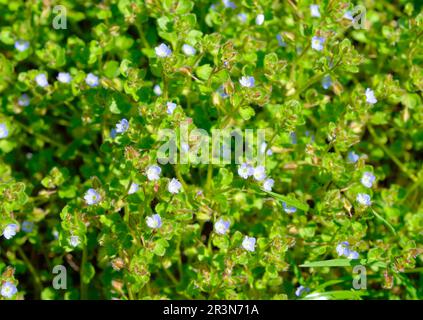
4	132
343	248
221	92
153	173
10	231
317	43
170	107
281	42
288	209
249	243
64	77
133	188
353	157
188	50
247	82
91	80
27	226
245	170
222	226
326	82
300	290
174	186
353	255
74	241
162	51
314	10
154	221
92	197
8	289
113	133
370	96
348	15
363	199
41	80
259	173
122	126
242	17
23	100
293	137
268	184
367	179
157	90
259	19
228	4
21	45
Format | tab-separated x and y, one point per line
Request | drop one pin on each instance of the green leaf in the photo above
333	263
204	71
290	201
160	247
88	272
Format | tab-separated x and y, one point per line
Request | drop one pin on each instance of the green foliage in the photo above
62	143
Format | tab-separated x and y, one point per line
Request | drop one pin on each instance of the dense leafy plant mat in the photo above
81	109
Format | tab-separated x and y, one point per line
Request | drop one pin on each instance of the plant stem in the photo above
37	282
83	287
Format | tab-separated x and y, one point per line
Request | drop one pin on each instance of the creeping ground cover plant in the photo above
181	149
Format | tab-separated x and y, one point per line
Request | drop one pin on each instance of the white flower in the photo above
174	186
10	231
64	77
370	96
23	100
170	107
367	179
162	51
41	80
247	81
92	197
21	45
74	241
249	243
363	199
221	226
314	10
91	80
4	132
317	43
268	184
157	90
8	289
259	19
133	188
245	170
188	50
153	172
154	221
259	173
